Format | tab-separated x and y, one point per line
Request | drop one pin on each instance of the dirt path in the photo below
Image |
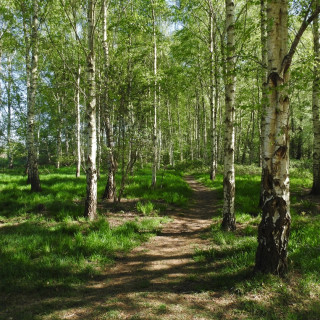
158	280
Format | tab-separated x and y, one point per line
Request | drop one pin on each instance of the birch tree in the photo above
155	102
91	132
229	222
32	81
274	229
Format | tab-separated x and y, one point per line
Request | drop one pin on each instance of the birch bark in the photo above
229	221
154	127
274	228
32	70
78	130
91	132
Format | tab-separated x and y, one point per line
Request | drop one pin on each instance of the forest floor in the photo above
160	279
191	270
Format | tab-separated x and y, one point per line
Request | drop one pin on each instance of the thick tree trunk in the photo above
315	109
229	221
273	233
33	174
91	132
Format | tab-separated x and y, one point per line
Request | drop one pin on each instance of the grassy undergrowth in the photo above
230	260
46	242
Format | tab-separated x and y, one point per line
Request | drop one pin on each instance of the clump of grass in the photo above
146	208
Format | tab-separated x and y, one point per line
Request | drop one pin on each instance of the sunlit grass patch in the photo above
33	254
171	188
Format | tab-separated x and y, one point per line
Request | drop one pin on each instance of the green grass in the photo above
44	239
171	188
229	261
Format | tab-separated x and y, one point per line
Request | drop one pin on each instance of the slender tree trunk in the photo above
110	189
252	146
213	99
33	174
59	125
180	133
91	130
9	117
154	127
78	132
264	80
315	109
229	221
171	153
273	232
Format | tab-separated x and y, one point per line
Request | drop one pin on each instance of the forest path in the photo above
160	279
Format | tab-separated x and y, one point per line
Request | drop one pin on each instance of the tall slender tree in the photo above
32	82
315	108
229	221
91	125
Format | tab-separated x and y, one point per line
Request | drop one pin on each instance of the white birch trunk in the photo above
229	222
59	125
78	124
264	79
91	132
274	228
155	107
9	117
213	99
33	174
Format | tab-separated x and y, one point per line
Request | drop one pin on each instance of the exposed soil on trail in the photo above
159	279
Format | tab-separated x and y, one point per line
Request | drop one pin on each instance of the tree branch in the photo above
287	60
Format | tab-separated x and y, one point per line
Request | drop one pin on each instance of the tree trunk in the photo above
91	133
213	97
33	174
109	192
315	109
171	152
9	103
78	132
229	221
154	127
59	125
273	232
